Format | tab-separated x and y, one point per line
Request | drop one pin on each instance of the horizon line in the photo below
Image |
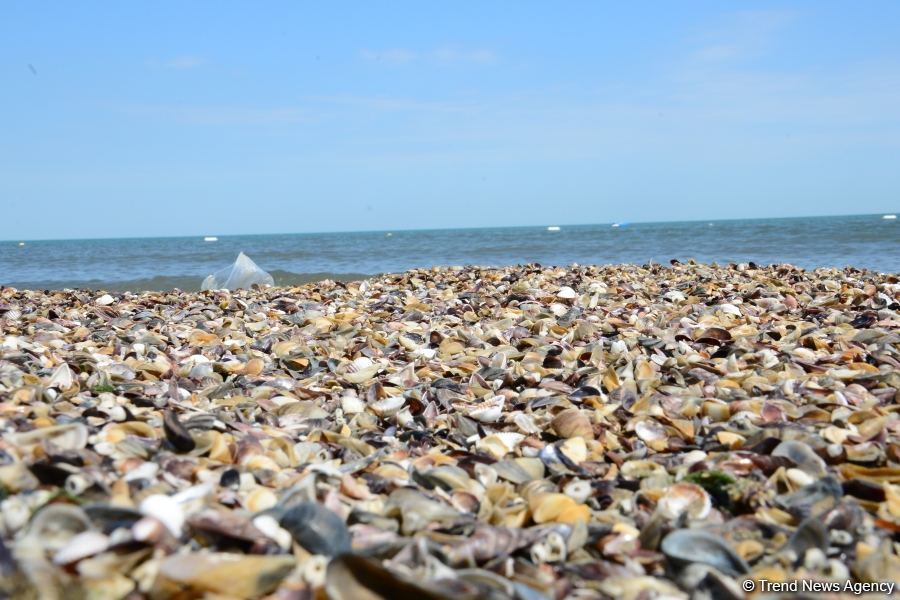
560	225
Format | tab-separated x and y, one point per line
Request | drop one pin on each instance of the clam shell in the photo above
686	546
682	498
236	575
571	423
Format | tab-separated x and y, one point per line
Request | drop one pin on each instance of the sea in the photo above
861	241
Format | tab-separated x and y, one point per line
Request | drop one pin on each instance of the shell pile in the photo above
527	432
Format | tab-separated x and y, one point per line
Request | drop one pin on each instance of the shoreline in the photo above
526	431
190	284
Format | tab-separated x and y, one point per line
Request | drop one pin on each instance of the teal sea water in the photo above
865	241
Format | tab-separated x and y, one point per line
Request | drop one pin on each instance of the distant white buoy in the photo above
21	243
889	217
553	228
616	225
210	238
389	234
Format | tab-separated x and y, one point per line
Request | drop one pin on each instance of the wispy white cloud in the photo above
445	55
179	62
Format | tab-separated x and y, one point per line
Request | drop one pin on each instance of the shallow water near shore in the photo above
865	241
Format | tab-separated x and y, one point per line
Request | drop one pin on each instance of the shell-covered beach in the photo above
527	432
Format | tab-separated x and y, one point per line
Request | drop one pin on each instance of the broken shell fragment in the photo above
317	529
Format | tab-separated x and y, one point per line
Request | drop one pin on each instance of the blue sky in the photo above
192	118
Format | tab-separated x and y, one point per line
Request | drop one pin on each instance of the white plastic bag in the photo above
242	274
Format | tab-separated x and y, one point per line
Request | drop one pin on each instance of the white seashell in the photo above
272	530
685	497
500	444
649	431
14	514
404	418
360	375
148	470
426	353
799	477
578	490
525	422
352	405
82	545
105	300
166	510
62	377
71	436
566	293
489	411
618	348
389	406
363	362
730	309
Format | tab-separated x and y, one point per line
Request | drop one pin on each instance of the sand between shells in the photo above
527	432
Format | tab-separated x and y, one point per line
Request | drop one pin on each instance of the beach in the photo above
624	431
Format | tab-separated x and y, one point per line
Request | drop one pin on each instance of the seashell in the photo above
388	407
254	367
802	456
269	527
234	575
82	545
519	470
451	478
260	499
571	423
574	449
652	433
166	510
684	547
578	490
558	508
104	300
361	370
566	293
705	581
351	577
352	405
867	452
810	534
17	478
72	436
633	587
681	498
317	529
176	433
717	411
489	411
416	510
525	423
500	444
54	525
62	378
549	549
116	432
814	498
